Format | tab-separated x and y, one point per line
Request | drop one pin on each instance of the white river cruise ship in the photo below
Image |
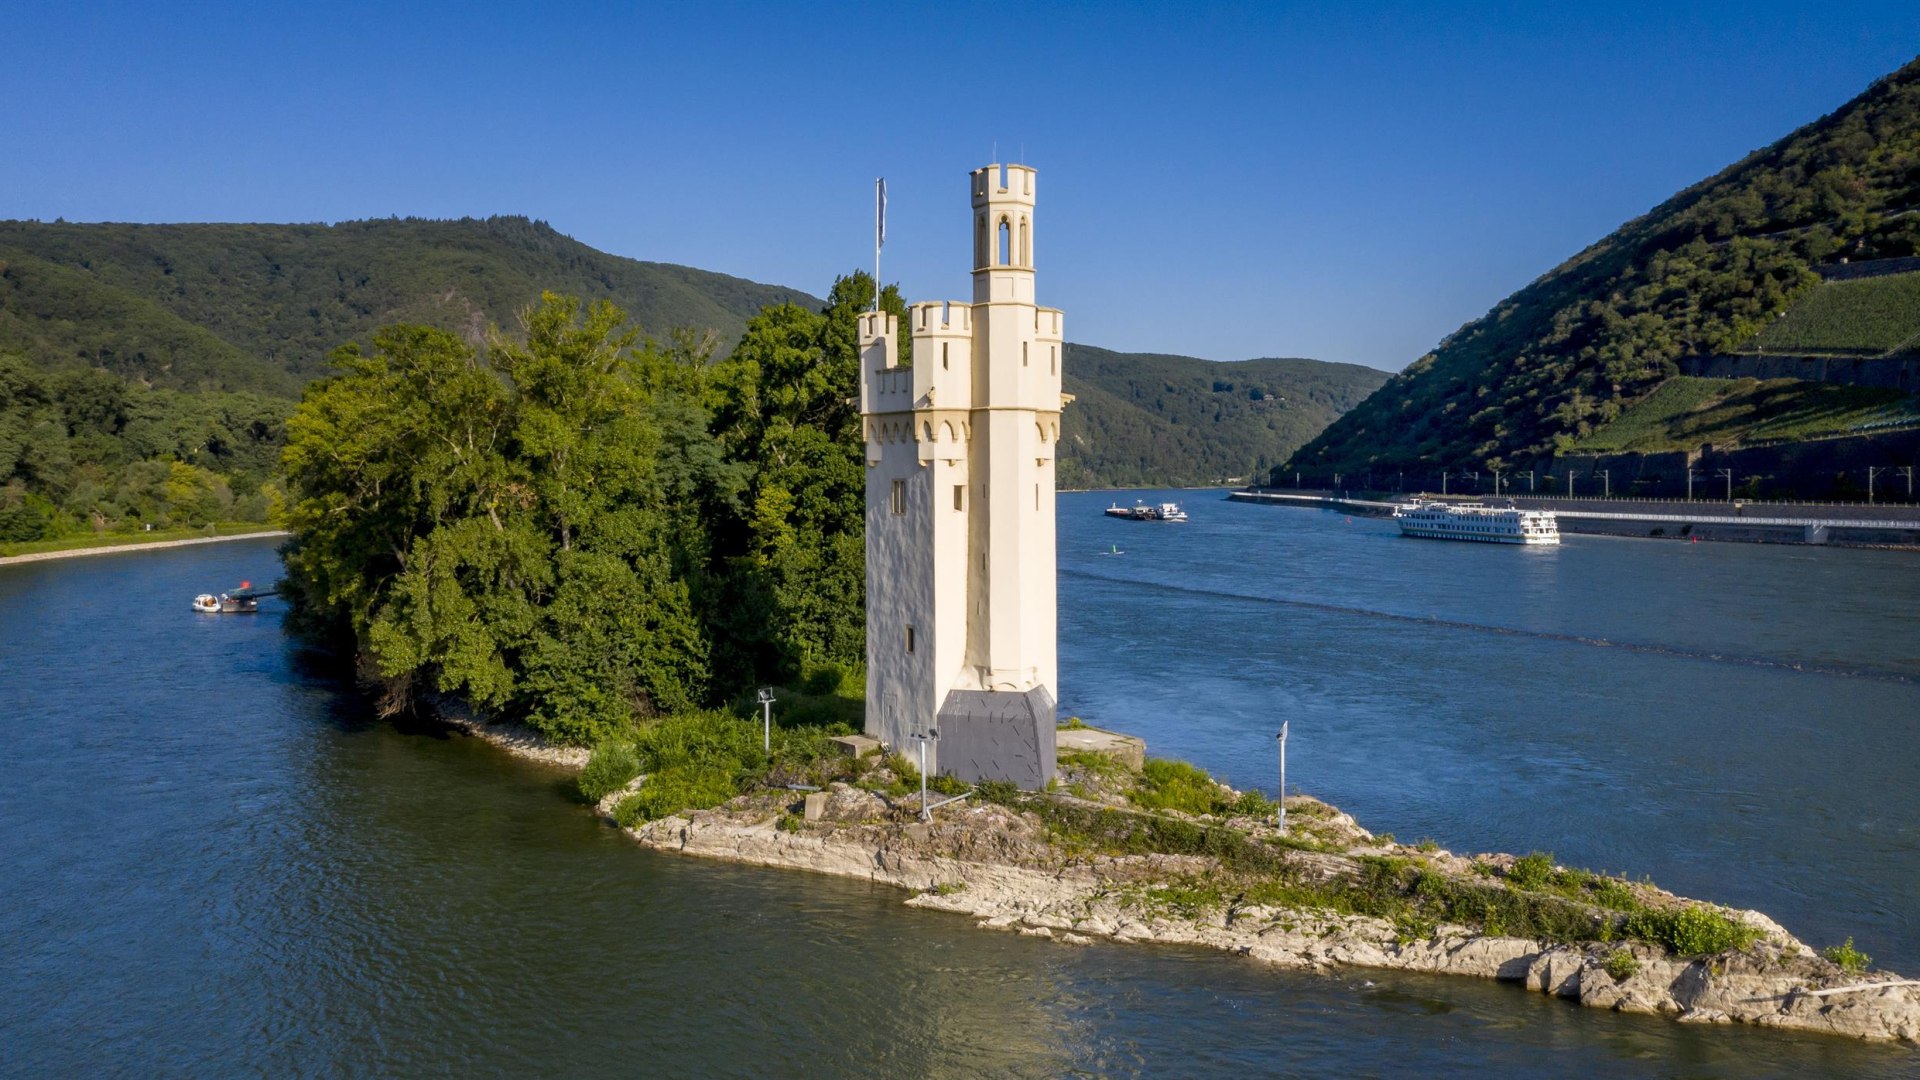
1473	521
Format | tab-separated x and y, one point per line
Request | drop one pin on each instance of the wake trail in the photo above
1678	652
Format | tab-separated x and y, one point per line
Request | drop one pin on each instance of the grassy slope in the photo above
259	306
1147	418
1868	317
1687	412
1701	273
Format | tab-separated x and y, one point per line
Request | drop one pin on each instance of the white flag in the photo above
880	213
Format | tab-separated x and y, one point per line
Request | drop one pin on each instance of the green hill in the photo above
258	307
1702	274
1142	419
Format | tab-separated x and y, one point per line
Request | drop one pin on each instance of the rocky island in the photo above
1157	851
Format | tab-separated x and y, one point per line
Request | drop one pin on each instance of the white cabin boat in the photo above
1142	512
1475	521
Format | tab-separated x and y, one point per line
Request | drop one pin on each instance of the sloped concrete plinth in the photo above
998	735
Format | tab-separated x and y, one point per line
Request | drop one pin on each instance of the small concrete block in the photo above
856	746
1129	750
816	805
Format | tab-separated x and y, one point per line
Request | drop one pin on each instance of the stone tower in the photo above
961	622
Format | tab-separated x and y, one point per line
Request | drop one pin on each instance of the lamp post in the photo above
1873	471
1496	482
1443	483
1728	473
1529	475
1281	819
1907	471
923	738
766	712
1569	483
1606	481
1689	485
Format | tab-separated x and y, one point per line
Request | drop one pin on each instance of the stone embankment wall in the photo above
1890	373
1826	469
1702	519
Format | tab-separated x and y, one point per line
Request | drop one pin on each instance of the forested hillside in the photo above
1701	274
258	307
1142	419
83	451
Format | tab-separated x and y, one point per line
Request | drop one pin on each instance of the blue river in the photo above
218	862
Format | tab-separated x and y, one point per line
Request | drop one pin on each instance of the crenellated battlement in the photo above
941	317
997	184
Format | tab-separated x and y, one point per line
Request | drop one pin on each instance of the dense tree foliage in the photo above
581	527
258	307
1700	274
84	452
1141	419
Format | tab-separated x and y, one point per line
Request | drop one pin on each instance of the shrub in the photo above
1612	893
1532	871
669	791
1691	931
1622	964
608	770
1851	960
1176	785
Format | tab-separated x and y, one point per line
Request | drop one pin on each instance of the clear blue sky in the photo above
1341	181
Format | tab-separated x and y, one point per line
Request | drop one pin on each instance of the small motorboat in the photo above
244	599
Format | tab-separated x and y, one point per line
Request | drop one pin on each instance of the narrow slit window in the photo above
1023	354
899	496
1036	496
909	640
1053	359
944	346
959	496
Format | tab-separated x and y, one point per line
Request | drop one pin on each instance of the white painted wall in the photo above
980	410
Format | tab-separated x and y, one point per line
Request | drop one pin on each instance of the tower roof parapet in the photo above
1000	184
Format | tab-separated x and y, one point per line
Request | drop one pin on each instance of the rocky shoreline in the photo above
999	866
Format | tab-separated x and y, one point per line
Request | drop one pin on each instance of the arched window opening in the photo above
1006	243
980	243
1026	249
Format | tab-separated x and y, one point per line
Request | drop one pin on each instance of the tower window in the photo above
959	496
899	500
909	640
1053	359
1023	354
944	346
1036	496
1006	243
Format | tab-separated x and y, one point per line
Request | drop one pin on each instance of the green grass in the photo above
1685	412
1869	317
128	539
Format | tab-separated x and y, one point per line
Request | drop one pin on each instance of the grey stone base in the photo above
996	735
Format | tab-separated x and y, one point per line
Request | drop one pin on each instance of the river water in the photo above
216	863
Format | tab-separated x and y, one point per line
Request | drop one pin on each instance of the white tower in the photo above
961	622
